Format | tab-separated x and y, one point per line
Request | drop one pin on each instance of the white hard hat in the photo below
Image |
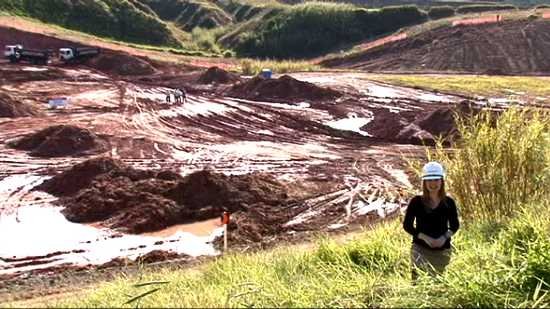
433	170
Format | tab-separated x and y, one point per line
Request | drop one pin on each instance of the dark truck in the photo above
77	54
16	53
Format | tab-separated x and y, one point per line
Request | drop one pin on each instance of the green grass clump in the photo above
437	12
477	8
500	162
473	85
253	67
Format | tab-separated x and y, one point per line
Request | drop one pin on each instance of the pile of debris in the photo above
283	89
408	128
136	201
219	76
61	140
121	64
12	108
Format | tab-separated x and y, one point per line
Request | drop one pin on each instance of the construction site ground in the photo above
310	153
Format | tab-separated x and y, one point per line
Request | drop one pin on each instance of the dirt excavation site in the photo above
118	176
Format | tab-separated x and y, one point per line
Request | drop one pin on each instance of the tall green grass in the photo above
500	162
473	85
253	67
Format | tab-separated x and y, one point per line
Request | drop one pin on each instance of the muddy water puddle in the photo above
202	228
36	235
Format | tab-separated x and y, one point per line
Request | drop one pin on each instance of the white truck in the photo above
16	53
77	54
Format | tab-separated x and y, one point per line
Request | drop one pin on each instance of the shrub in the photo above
437	12
501	161
484	8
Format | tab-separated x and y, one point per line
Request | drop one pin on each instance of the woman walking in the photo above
431	219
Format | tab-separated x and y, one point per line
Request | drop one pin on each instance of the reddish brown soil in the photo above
217	75
78	177
59	141
121	64
12	36
109	61
12	74
283	89
137	201
514	47
414	128
258	222
158	256
11	107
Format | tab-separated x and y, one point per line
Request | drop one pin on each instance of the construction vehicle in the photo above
77	54
16	53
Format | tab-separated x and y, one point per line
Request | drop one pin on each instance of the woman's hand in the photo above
433	242
439	242
427	239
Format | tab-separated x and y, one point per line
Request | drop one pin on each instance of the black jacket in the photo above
432	222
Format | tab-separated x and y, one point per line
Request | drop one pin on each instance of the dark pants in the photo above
431	261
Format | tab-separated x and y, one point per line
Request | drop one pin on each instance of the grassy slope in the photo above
370	270
246	66
119	19
472	85
189	14
154	52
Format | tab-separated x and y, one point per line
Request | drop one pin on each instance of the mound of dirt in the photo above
121	64
424	129
255	224
60	140
283	89
492	48
12	108
217	75
137	201
386	125
158	256
79	176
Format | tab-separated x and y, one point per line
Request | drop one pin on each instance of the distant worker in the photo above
183	95
168	94
431	219
177	96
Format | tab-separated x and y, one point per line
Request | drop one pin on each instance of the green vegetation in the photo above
473	85
118	19
314	28
500	258
501	161
438	12
484	8
188	14
253	67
